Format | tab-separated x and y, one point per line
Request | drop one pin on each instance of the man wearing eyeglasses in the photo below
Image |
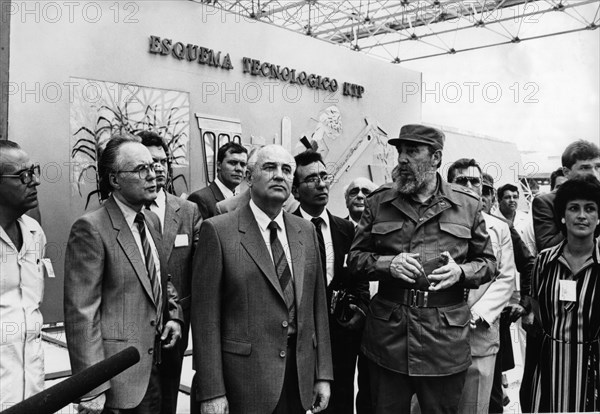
488	301
356	193
347	299
425	241
180	223
118	291
22	264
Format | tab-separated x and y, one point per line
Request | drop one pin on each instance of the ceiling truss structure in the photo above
405	30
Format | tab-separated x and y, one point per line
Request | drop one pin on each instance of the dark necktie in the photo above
151	268
318	222
283	271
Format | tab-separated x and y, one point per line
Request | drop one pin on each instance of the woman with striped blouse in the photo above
566	285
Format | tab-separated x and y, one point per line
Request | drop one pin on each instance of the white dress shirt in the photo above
227	193
263	222
329	253
159	207
129	215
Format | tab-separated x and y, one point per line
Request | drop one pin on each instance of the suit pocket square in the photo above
236	347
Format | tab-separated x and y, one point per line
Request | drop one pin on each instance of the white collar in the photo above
263	220
323	215
127	211
227	193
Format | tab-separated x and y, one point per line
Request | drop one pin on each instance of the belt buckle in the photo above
418	298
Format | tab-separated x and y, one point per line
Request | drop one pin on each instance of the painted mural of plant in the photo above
164	112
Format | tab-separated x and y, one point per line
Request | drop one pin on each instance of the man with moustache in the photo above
231	169
346	317
488	301
180	224
425	241
259	316
22	264
117	289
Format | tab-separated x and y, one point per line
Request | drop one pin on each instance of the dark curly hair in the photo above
580	187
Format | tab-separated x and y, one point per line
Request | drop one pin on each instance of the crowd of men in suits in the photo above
278	291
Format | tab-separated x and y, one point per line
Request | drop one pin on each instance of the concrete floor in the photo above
57	361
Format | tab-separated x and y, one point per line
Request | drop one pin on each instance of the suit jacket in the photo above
342	234
239	315
545	226
207	199
108	300
180	237
233	203
489	299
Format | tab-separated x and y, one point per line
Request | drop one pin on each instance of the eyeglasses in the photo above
464	180
314	180
142	170
26	176
354	192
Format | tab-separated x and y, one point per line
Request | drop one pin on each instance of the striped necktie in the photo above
282	269
151	268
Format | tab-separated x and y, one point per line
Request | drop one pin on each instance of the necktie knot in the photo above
318	222
139	219
273	226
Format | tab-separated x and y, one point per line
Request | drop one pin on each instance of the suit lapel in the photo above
253	242
338	239
171	225
128	244
216	192
296	246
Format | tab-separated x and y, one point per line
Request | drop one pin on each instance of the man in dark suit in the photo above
335	234
259	317
231	169
180	223
117	290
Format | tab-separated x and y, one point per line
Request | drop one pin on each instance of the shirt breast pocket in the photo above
387	234
456	230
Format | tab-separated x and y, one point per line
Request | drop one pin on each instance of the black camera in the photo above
340	305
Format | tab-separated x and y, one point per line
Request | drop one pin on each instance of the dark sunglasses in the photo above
464	180
354	192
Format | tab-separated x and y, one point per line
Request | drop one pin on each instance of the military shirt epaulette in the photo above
381	188
464	190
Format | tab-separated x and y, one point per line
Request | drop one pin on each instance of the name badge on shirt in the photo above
567	290
48	266
182	240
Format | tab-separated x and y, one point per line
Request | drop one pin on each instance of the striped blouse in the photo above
567	374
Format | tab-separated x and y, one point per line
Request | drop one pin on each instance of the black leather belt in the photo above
424	299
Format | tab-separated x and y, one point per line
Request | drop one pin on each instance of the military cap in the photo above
420	134
487	181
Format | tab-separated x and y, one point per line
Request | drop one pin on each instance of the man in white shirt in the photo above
335	234
231	170
180	224
259	318
117	288
486	302
22	263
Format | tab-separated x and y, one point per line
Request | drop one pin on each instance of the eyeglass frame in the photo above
140	169
468	179
26	176
315	179
363	190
